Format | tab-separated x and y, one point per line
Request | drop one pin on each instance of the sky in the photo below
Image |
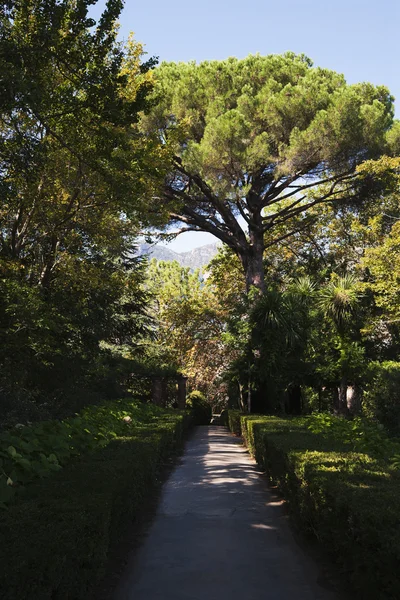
359	38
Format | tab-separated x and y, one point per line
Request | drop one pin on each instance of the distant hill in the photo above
195	259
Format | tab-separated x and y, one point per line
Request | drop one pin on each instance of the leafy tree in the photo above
189	323
68	96
338	300
381	259
271	334
256	143
74	175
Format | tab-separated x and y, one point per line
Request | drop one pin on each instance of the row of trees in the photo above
279	160
75	183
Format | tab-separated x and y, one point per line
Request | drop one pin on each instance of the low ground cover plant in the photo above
342	483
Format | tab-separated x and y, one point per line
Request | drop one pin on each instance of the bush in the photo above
55	543
234	421
200	408
381	398
348	499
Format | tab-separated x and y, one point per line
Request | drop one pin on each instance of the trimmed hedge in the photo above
55	543
349	500
29	453
201	410
234	422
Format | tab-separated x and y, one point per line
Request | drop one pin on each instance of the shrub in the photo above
54	544
234	421
32	452
348	499
381	398
200	408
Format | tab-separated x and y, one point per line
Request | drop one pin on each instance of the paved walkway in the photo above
218	534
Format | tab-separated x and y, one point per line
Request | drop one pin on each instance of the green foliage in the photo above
73	180
272	330
234	421
243	117
189	322
346	498
360	434
381	398
57	348
383	264
338	300
199	407
264	139
28	453
56	542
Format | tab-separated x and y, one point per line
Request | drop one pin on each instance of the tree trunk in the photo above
342	393
353	399
249	398
252	260
182	392
242	402
294	405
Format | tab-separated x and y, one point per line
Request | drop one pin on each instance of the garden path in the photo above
219	534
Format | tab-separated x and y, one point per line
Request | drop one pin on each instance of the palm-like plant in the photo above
338	300
279	322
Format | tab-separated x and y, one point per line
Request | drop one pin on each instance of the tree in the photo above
69	162
189	323
256	143
74	178
338	301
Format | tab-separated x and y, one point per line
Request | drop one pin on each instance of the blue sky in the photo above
360	38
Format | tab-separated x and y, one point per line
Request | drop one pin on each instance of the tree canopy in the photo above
74	180
294	170
256	143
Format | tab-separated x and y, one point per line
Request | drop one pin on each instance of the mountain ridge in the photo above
194	259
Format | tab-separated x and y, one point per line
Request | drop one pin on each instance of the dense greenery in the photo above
316	337
28	453
297	173
341	488
328	318
95	147
73	181
190	321
199	408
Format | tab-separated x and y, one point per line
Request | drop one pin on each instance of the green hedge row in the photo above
28	453
234	422
349	500
54	542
